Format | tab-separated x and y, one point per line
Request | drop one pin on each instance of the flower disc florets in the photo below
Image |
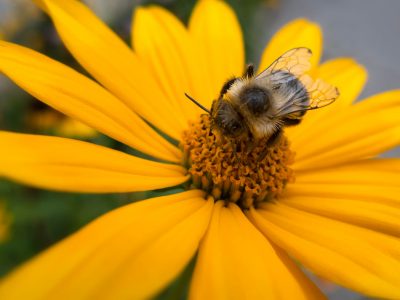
234	170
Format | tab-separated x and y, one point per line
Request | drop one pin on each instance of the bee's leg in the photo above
250	145
226	86
249	71
294	120
235	150
291	122
274	138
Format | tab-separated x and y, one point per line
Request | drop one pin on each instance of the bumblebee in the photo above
255	107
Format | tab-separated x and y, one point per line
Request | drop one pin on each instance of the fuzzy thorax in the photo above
243	172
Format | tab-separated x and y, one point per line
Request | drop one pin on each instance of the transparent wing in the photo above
295	61
307	94
322	94
295	91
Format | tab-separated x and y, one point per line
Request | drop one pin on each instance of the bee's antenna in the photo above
197	103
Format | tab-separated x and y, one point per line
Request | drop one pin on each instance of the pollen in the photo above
243	172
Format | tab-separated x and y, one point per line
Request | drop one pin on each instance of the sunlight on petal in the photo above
130	253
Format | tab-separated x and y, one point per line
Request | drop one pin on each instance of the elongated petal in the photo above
72	128
364	130
236	262
367	190
382	172
373	215
217	32
79	97
69	165
111	62
366	194
298	33
350	78
129	253
164	44
354	257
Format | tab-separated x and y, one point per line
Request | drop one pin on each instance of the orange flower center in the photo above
233	170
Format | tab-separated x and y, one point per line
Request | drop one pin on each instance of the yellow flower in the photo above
340	218
52	121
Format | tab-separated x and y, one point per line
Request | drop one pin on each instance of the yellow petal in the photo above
298	33
236	262
70	165
356	258
367	190
129	253
364	130
72	128
365	194
350	78
347	75
164	44
79	97
111	62
371	172
376	216
217	32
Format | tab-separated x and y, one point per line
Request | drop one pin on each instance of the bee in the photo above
255	107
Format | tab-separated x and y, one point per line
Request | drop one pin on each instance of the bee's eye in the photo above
235	125
256	100
227	119
234	128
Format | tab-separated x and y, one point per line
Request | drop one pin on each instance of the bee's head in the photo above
226	119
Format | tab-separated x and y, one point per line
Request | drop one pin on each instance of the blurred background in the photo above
32	219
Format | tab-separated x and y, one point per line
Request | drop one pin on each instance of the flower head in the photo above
319	195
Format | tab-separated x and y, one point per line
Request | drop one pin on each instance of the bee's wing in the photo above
295	61
321	93
297	91
303	93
